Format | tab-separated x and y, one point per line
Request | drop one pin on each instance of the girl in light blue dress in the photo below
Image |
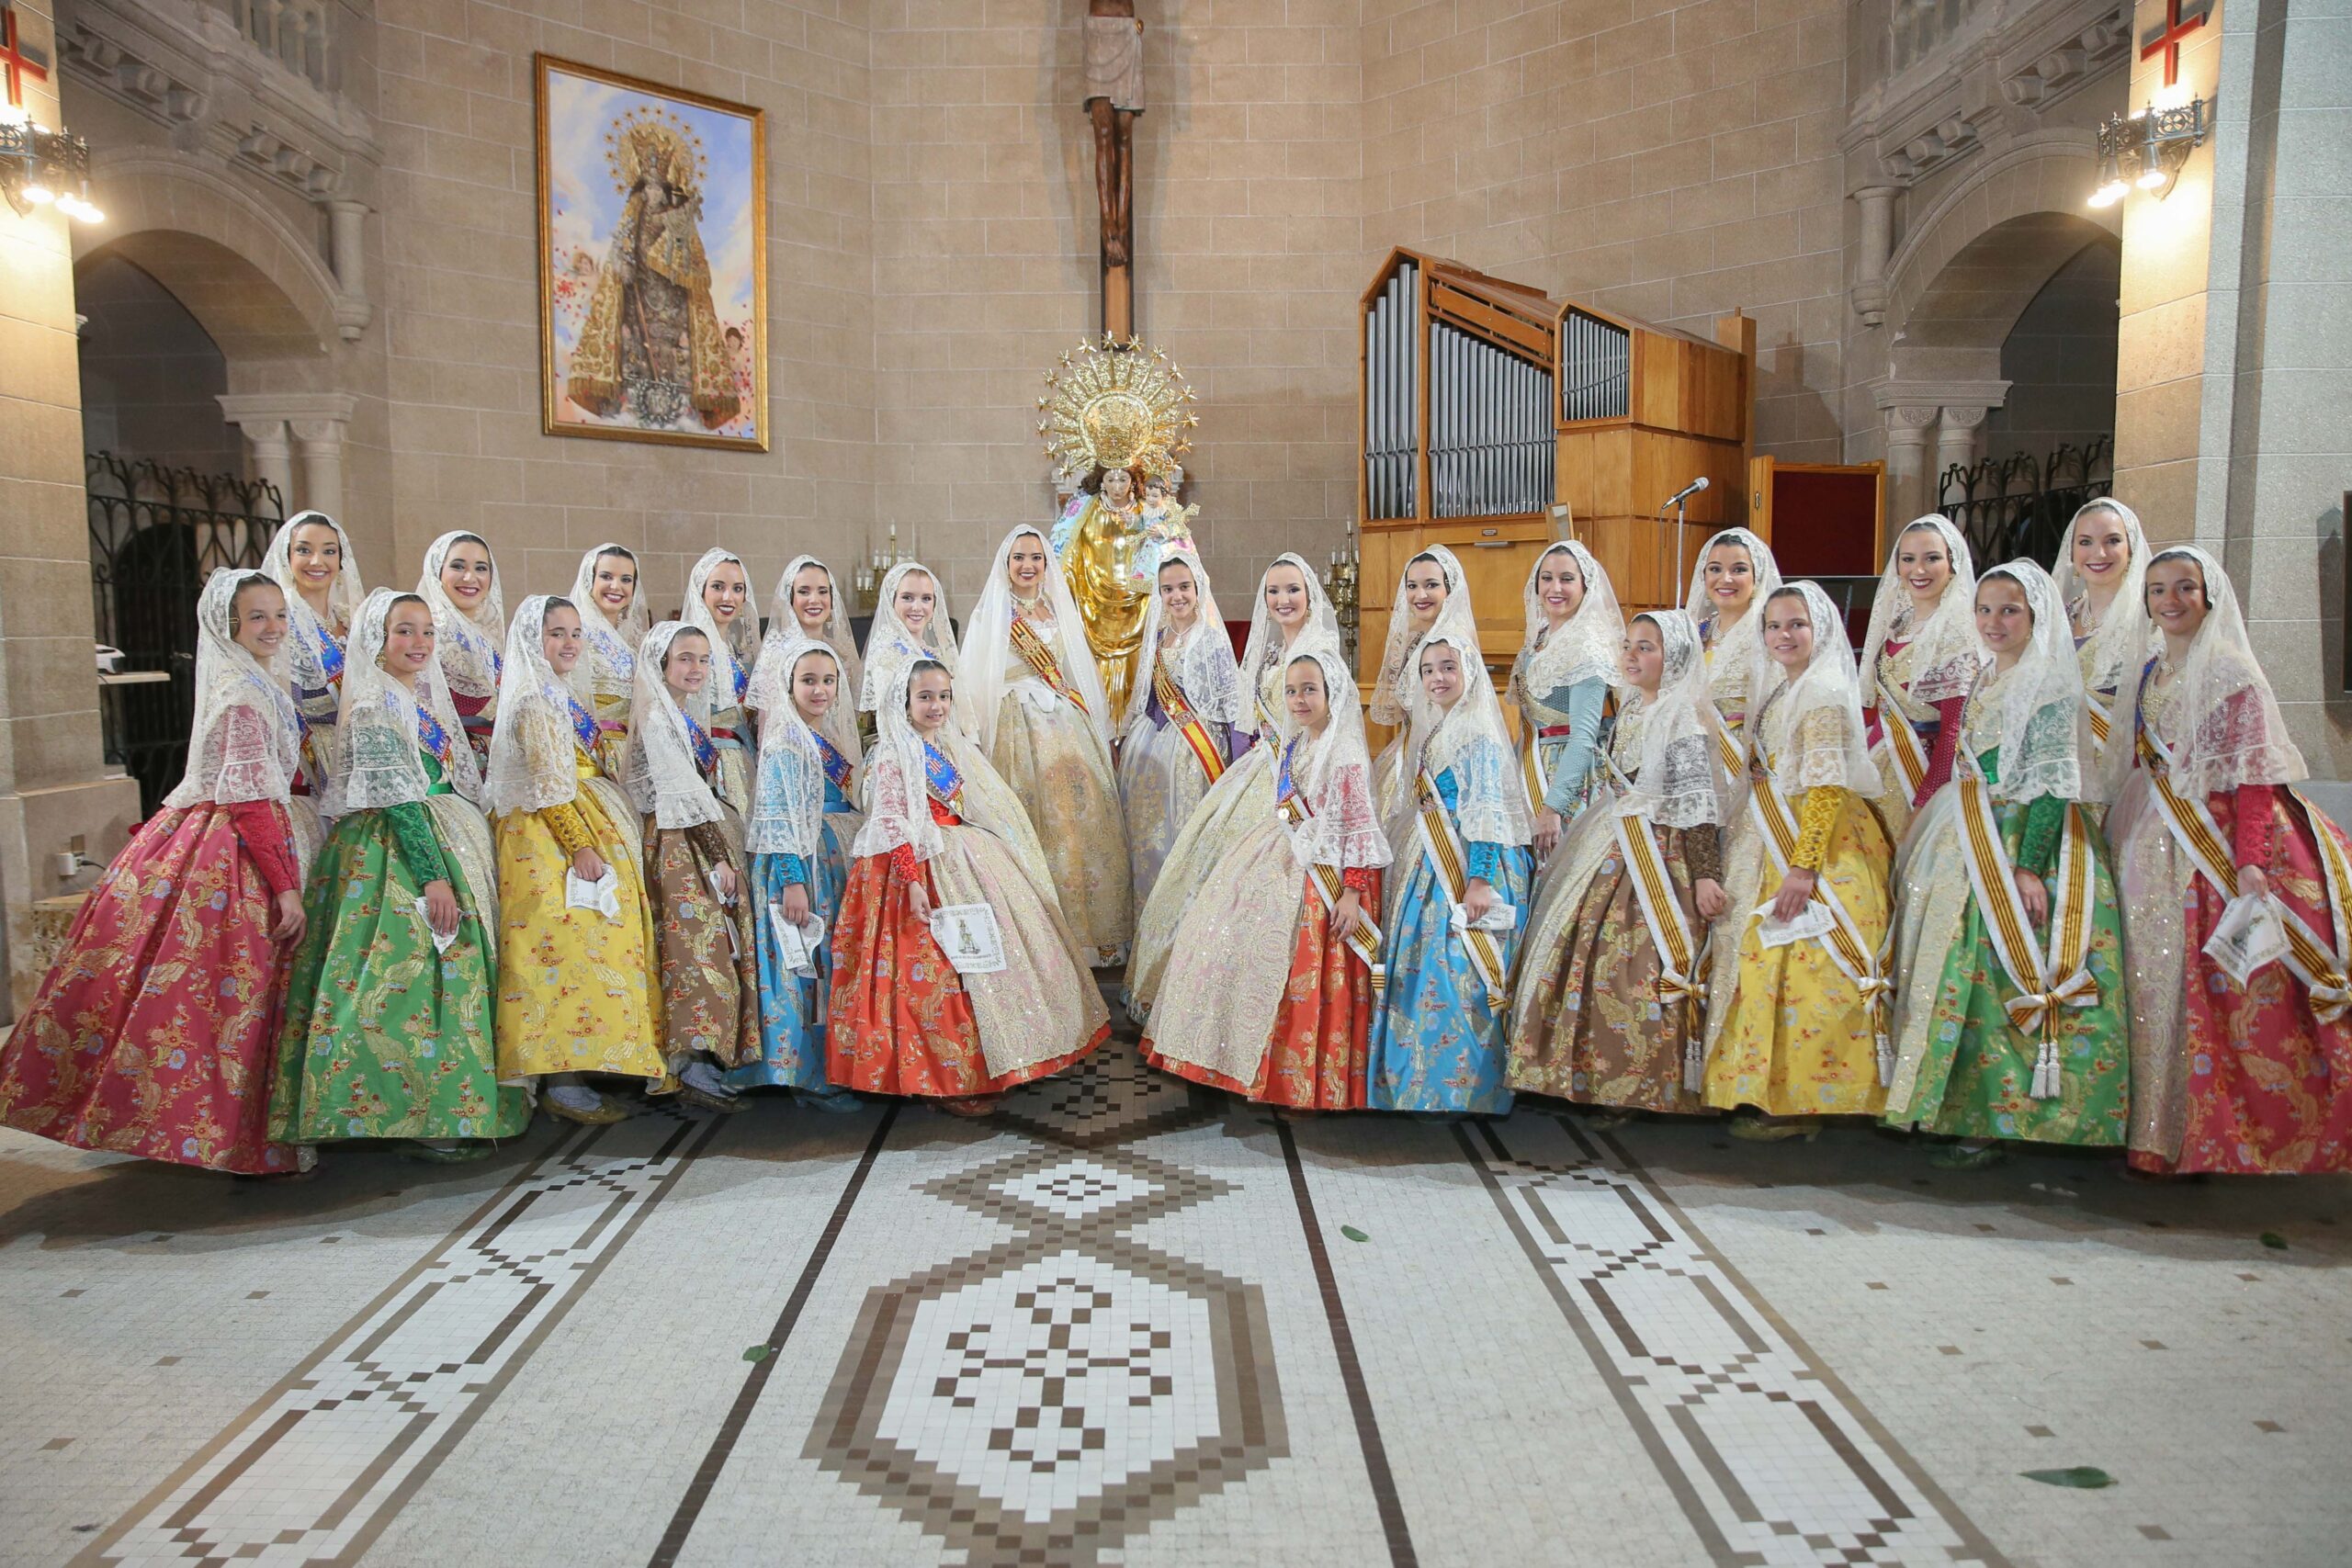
801	828
1460	836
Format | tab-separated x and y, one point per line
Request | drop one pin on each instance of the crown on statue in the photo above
1114	405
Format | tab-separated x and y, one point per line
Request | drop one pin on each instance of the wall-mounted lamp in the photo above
2146	150
39	167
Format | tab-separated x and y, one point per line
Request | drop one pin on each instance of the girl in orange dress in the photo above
1272	983
944	832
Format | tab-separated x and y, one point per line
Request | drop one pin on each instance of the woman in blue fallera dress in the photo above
1460	837
799	835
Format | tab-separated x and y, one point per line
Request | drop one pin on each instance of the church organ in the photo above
1490	411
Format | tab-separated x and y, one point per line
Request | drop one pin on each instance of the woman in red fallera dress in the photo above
461	586
2253	1079
1270	988
944	832
155	1032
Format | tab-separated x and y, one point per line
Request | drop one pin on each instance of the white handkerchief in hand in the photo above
968	934
796	946
440	943
2248	935
604	894
1812	922
1499	917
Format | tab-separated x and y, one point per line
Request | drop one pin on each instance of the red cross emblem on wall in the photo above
19	60
2167	36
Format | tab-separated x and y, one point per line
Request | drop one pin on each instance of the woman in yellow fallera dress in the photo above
1031	686
1798	1028
574	994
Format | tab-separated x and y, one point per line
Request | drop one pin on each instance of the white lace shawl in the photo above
1734	647
788	796
897	810
1200	662
1470	737
1333	774
612	648
732	652
532	747
771	687
2106	654
1679	779
306	632
1811	755
659	771
1588	645
245	742
2045	725
469	646
381	758
782	614
890	646
2230	732
1269	644
1392	691
1943	649
990	667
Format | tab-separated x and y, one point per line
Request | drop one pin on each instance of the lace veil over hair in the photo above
2106	654
888	643
380	726
898	810
785	615
1743	640
1588	645
1333	774
736	650
305	628
1266	645
659	772
1679	780
468	644
991	668
780	650
612	646
1944	649
1200	662
2228	732
787	813
245	741
531	748
1815	754
1391	692
1491	792
2045	725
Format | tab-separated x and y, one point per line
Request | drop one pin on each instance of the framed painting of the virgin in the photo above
652	261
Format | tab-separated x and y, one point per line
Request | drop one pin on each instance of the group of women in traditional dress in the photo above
433	865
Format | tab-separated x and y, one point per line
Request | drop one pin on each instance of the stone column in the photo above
1955	441
346	234
1877	203
317	421
1907	452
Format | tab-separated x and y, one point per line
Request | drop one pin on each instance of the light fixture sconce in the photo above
39	167
2147	150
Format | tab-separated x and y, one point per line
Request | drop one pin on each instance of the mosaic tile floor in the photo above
1130	1323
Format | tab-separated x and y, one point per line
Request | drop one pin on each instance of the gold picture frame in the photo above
653	268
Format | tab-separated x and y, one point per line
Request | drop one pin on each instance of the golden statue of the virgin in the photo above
1113	419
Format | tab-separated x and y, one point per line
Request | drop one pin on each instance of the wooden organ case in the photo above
1496	421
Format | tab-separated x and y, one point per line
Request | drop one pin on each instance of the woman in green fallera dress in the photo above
387	1037
2011	1021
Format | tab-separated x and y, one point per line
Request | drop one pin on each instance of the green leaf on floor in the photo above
758	1353
1352	1234
2083	1477
2273	1240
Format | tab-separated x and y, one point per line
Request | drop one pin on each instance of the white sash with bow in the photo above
1441	846
2046	980
1860	964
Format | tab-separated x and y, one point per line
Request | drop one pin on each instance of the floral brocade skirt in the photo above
1056	765
385	1037
155	1032
794	1008
703	955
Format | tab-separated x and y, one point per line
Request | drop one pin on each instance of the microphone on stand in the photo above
1687	491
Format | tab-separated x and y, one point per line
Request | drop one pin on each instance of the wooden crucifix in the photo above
1114	98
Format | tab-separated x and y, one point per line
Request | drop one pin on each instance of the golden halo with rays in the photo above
1114	405
650	133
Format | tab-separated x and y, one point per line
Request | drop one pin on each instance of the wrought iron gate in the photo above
155	535
2019	506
